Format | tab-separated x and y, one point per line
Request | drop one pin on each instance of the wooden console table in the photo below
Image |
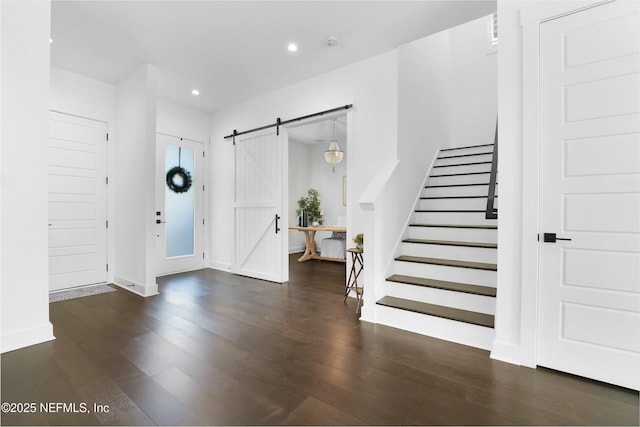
310	249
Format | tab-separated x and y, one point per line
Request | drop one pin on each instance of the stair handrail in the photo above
491	212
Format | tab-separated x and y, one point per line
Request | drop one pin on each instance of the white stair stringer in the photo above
443	282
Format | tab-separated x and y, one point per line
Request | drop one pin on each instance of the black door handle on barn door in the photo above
277	227
551	238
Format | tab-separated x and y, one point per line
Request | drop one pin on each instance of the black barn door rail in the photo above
280	122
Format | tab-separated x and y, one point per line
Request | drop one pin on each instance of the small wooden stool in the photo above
357	266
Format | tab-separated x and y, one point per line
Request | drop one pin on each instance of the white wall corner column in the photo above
24	117
507	346
135	182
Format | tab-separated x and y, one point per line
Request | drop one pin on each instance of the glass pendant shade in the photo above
333	155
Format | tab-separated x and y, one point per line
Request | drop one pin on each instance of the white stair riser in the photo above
467	203
472	190
461	169
472	150
459	179
466	159
471	276
445	329
474	218
456	234
460	253
460	300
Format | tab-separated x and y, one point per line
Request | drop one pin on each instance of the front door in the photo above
179	205
77	201
259	209
589	290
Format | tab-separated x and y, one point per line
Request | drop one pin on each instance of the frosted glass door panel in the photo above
179	206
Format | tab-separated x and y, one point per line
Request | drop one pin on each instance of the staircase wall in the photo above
427	99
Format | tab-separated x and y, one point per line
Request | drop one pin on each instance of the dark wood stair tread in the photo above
463	164
465	316
483	227
468	146
448	262
455	197
465	155
456	185
460	174
453	243
445	285
452	210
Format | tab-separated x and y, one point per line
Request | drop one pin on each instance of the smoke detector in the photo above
332	41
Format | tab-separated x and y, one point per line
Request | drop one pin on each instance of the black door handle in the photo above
551	238
277	228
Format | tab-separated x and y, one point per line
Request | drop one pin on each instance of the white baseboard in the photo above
222	266
295	250
138	289
506	352
28	337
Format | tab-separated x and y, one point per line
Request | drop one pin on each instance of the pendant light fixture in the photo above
334	155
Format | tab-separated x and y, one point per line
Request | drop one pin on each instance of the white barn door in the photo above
589	290
77	201
260	214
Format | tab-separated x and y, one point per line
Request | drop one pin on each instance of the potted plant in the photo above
359	240
309	207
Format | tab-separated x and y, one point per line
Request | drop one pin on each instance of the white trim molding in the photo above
27	337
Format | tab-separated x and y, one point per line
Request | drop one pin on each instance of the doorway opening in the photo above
310	172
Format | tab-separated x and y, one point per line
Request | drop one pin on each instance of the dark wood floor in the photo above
218	349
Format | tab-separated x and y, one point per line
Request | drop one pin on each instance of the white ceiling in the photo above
235	50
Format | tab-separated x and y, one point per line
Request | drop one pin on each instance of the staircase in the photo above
443	283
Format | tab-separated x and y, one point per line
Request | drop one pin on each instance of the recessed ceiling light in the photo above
292	47
50	40
195	92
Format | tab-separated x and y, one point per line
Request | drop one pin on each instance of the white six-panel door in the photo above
589	290
259	210
77	201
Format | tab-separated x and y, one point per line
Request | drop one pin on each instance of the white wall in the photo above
135	182
24	116
370	84
73	93
177	120
474	84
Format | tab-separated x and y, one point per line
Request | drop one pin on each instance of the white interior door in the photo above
180	205
259	210
589	290
77	201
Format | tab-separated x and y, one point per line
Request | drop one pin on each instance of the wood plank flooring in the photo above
218	349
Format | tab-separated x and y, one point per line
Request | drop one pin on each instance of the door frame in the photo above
205	225
531	21
349	142
108	191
